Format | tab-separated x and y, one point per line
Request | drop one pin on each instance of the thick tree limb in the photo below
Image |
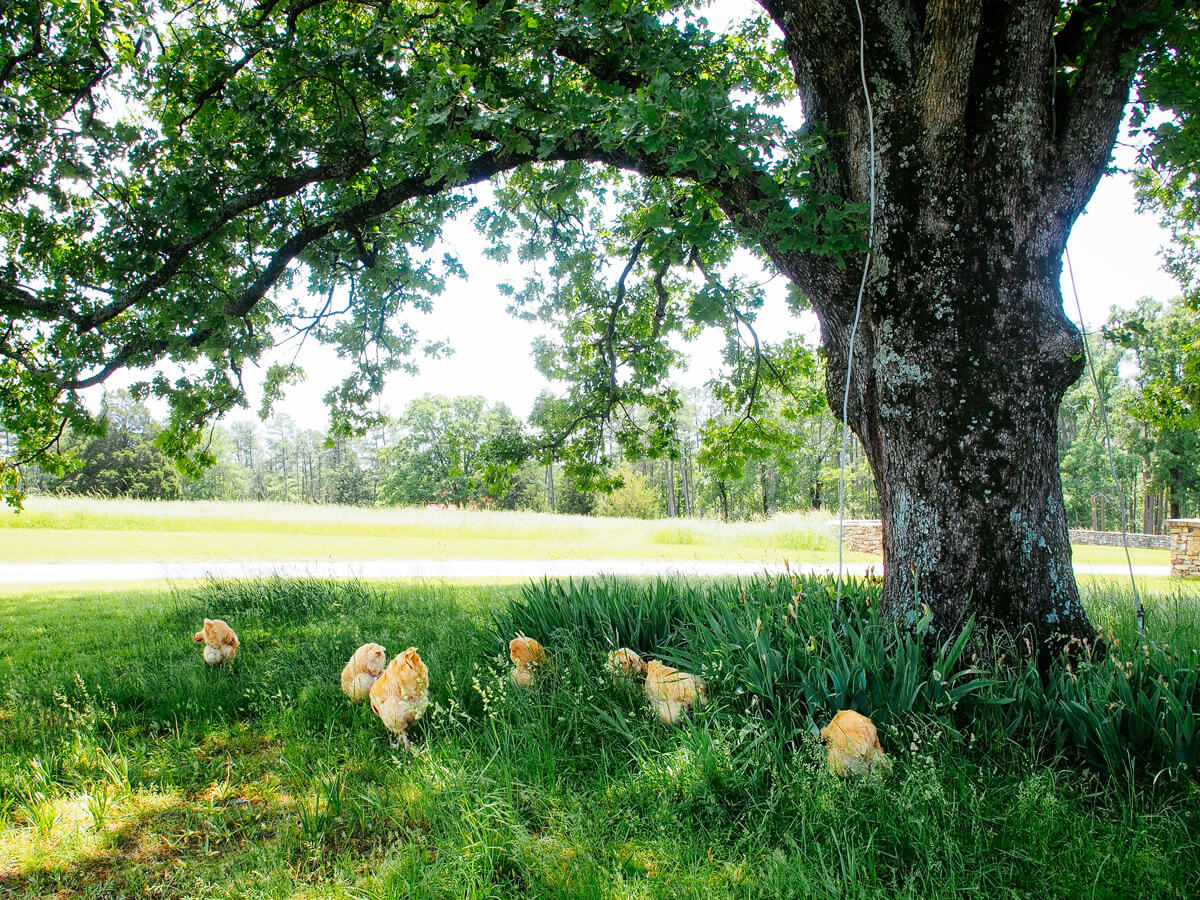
944	75
485	166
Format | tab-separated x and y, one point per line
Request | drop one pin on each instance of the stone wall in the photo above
1185	547
862	535
1113	539
866	536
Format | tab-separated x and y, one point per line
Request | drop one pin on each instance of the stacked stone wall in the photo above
1185	547
866	536
1113	539
862	535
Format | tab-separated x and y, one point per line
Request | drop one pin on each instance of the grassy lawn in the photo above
88	530
130	768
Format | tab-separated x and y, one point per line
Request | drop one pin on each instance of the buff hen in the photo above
672	692
401	695
220	643
527	657
854	747
363	670
625	663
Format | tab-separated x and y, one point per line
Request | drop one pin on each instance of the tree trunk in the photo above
957	410
724	495
990	126
670	488
687	484
550	486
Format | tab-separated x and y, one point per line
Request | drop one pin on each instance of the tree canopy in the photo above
189	183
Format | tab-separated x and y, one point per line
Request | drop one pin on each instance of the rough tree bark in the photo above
984	159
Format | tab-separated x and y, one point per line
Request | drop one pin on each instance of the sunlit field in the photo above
129	768
79	530
89	530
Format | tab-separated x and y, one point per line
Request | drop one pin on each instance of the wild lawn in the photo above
130	768
55	529
77	529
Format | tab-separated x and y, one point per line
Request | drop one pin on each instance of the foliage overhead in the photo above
191	182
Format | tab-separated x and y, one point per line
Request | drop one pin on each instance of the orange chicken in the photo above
853	744
363	670
671	692
220	643
527	657
626	663
401	695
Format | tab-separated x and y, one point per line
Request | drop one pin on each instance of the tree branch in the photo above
1091	115
944	74
177	256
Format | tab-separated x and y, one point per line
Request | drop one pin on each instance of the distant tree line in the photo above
748	450
1146	363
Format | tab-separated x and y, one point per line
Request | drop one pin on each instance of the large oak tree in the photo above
178	181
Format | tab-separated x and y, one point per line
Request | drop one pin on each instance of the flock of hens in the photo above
399	691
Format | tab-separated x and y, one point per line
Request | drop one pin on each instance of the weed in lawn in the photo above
115	766
99	801
318	814
39	811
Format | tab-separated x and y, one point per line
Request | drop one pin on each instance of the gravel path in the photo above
431	569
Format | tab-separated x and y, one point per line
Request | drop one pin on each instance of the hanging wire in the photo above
1087	350
862	70
1112	465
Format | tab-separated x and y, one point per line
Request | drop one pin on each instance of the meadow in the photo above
52	529
77	529
130	768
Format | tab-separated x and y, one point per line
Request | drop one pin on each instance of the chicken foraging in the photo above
220	643
625	663
401	695
671	692
363	670
854	747
527	656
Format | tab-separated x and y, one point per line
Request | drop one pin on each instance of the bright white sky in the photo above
1113	248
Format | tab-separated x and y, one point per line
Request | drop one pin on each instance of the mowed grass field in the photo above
90	530
129	768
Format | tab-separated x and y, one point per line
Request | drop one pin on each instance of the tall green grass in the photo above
130	768
784	655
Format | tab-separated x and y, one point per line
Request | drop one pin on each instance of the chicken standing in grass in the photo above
626	663
854	747
527	657
400	696
220	643
672	692
363	670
